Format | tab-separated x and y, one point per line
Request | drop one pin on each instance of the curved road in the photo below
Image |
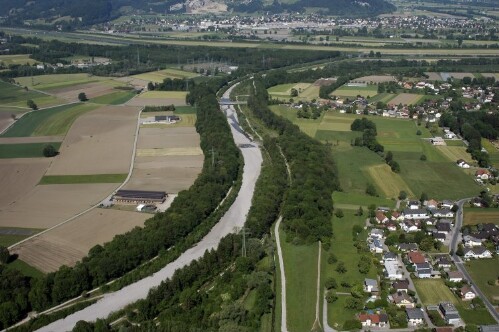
233	219
460	264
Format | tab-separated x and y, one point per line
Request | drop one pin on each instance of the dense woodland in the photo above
307	208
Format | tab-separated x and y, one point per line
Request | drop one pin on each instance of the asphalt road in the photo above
234	219
460	264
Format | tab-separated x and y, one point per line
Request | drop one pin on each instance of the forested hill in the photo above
96	11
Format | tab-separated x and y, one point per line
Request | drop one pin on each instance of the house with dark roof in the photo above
405	247
371	286
455	276
390	256
402	299
439	236
450	313
415	213
401	285
477	252
415	316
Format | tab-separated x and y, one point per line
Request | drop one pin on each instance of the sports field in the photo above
160	75
353	91
434	291
26	150
473	216
48	122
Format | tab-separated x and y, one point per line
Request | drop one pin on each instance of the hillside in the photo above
83	13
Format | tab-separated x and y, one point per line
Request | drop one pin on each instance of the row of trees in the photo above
307	209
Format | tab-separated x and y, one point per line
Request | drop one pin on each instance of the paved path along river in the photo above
233	219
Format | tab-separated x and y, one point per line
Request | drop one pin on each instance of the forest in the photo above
308	207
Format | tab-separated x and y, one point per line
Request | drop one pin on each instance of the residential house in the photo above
431	204
443	226
389	256
462	163
392	270
455	276
443	262
401	285
467	293
424	270
391	226
439	236
413	205
450	313
376	247
415	213
409	226
442	213
477	252
371	286
471	241
402	299
397	216
416	257
381	218
376	233
446	204
482	174
405	247
415	316
489	328
373	320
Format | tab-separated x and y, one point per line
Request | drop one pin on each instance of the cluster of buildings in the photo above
482	95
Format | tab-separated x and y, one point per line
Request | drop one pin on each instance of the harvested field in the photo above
54	81
168	159
49	205
453	153
133	81
406	99
70	242
168	173
354	91
5	120
376	79
107	131
325	81
92	90
177	99
460	76
390	183
473	216
18	177
160	75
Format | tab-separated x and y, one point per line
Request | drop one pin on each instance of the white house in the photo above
371	286
415	214
392	270
376	233
455	276
462	163
467	293
376	247
470	241
415	316
477	252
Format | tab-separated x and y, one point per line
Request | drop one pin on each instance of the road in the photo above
234	218
460	264
284	318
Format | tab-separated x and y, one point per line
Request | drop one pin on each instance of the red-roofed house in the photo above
416	257
482	174
373	320
380	217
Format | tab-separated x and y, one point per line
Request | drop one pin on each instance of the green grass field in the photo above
482	271
353	91
434	291
56	81
382	97
352	201
25	150
342	245
48	122
306	91
25	268
476	316
115	98
185	110
473	216
17	59
300	264
12	95
492	151
78	179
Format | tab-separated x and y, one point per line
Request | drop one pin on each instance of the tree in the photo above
341	268
418	132
360	211
82	96
402	195
339	213
389	157
49	151
331	297
352	325
4	255
423	157
294	92
150	86
423	198
31	104
395	167
330	283
371	190
332	258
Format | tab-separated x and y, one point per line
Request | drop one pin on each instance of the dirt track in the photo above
19	176
72	241
99	142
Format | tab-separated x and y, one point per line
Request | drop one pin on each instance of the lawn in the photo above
473	216
115	98
77	179
492	151
476	316
342	245
12	95
25	150
482	271
336	122
353	200
281	89
406	99
185	110
434	291
382	97
353	91
390	183
300	264
52	121
25	268
454	153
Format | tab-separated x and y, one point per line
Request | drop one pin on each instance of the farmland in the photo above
492	151
16	59
25	150
354	91
159	98
57	81
114	98
406	99
51	121
473	216
78	179
306	91
484	273
12	95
